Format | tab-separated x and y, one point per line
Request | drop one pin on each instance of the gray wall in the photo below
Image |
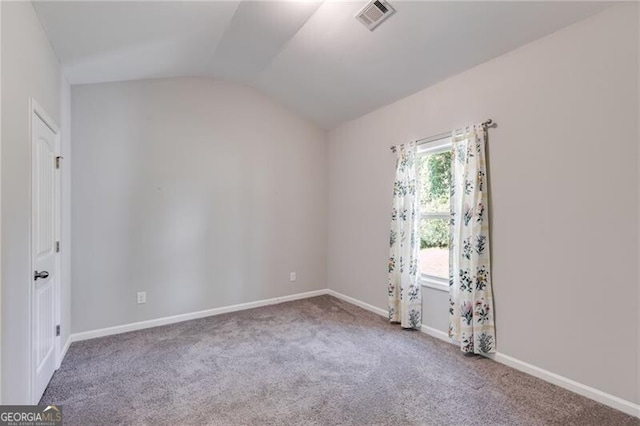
29	69
638	191
564	179
201	193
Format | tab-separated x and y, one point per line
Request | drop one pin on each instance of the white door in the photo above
45	271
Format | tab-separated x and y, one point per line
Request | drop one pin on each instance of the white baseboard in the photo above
434	332
607	399
425	329
548	376
359	303
566	383
85	335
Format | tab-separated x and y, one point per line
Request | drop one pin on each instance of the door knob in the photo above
43	275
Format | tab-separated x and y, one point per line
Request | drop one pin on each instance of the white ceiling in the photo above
313	57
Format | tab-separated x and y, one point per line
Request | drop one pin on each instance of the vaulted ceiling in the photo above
313	57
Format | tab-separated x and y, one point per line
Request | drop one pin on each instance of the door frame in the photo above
1	283
35	109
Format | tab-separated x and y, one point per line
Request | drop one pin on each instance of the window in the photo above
434	175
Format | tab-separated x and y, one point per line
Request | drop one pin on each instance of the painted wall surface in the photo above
563	170
638	191
201	193
29	69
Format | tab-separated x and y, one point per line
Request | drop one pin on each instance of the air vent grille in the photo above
374	13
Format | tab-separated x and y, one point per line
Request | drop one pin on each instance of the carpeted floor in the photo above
317	361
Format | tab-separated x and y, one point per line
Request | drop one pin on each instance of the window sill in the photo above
434	284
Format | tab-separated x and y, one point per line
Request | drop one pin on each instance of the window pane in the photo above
434	247
435	182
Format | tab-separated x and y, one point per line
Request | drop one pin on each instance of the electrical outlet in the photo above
292	276
142	297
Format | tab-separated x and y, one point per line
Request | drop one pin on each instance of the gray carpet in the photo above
317	361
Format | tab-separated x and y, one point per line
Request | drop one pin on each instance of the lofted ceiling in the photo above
314	57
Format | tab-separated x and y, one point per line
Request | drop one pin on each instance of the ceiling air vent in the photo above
374	13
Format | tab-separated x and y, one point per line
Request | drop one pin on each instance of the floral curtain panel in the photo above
470	294
405	304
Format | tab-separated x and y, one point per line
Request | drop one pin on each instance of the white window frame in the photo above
435	146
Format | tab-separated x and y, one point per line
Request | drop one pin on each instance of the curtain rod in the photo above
485	125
